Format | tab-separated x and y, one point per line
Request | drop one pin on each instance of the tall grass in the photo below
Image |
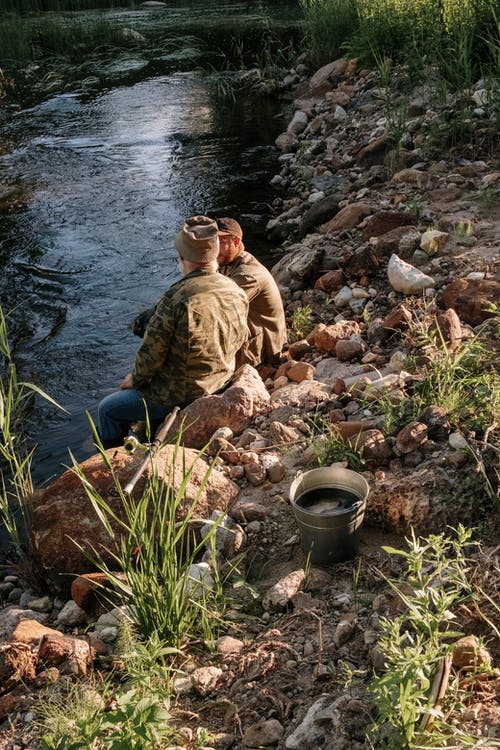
155	545
16	399
461	37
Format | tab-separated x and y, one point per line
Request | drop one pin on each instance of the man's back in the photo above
266	317
190	343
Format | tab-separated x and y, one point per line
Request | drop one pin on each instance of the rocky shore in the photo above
389	259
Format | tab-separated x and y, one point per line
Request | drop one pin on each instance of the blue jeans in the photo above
116	412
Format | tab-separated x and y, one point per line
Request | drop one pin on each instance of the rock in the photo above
470	298
70	655
331	281
93	591
204	679
469	653
433	240
398	319
351	348
71	614
310	733
63	511
8	704
402	241
298	349
298	122
233	408
319	212
227	645
264	733
31	632
348	217
375	449
406	278
411	437
375	152
11	616
326	339
362	262
301	264
284	590
274	467
458	442
17	665
300	394
287	142
436	419
384	221
343	631
200	581
301	371
449	328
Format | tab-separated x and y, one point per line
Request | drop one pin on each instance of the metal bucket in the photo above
329	506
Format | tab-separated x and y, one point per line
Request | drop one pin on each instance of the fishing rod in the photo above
160	436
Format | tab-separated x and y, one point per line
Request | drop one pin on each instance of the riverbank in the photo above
389	276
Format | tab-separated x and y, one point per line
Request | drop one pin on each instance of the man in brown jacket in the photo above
266	317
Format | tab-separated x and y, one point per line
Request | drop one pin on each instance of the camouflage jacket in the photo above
190	344
266	317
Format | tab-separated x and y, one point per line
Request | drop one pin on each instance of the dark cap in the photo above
198	240
229	226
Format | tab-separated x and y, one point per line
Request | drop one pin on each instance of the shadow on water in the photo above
106	182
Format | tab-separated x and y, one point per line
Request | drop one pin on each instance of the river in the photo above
106	182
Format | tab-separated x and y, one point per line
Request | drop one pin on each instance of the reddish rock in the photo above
255	473
402	240
469	653
234	408
63	512
470	298
398	319
17	664
326	339
70	655
385	221
301	371
348	349
31	632
8	704
348	218
375	152
362	262
375	449
283	368
93	591
350	430
284	433
411	437
331	281
226	450
298	349
450	328
245	511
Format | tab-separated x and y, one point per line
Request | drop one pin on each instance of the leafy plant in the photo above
302	322
415	642
128	708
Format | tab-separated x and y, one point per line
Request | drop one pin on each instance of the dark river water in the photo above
107	182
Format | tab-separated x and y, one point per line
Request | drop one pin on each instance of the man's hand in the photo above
126	382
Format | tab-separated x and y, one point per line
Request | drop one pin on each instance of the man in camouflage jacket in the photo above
190	343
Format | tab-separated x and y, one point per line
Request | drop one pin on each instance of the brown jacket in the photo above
266	317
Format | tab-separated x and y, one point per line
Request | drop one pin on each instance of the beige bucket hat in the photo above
198	240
